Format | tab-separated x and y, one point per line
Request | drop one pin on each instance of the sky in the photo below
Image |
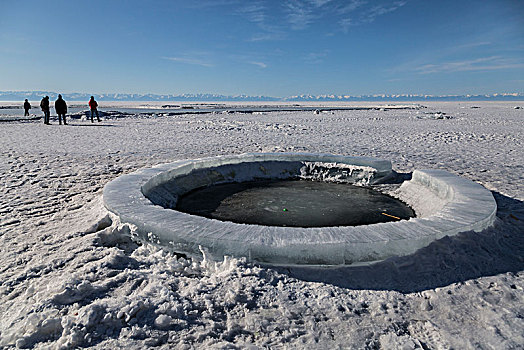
261	47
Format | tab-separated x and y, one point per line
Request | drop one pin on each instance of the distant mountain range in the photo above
409	97
37	95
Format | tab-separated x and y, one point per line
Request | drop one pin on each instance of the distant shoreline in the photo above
9	96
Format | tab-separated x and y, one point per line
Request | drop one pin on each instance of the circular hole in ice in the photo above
293	203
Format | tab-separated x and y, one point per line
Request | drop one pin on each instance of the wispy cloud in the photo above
258	13
189	60
302	13
470	45
275	20
346	10
206	4
315	57
479	64
346	23
380	10
260	64
350	6
319	3
299	14
254	12
266	36
246	58
356	12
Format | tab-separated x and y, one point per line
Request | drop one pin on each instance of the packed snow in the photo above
71	277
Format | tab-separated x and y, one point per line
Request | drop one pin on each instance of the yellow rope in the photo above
391	216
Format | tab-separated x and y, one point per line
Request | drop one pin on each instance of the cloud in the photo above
319	3
255	59
299	14
267	36
254	12
260	64
365	14
345	23
189	60
257	12
350	6
303	13
315	57
380	10
207	4
479	64
477	55
275	20
471	45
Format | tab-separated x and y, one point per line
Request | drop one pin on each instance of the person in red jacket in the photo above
93	105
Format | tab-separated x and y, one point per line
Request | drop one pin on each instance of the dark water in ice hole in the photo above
293	203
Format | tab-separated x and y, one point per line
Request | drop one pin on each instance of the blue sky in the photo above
272	48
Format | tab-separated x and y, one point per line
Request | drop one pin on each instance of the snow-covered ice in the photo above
70	276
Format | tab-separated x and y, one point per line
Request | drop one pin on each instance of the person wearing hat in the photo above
61	109
44	105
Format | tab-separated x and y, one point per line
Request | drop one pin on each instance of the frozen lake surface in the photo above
77	110
71	277
294	204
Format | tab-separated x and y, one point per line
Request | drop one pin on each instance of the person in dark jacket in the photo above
61	109
44	105
93	105
27	107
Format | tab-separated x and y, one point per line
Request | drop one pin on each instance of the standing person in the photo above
93	105
44	104
27	107
61	109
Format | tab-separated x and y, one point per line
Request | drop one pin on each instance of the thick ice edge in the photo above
457	205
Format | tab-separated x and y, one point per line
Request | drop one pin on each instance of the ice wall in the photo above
462	206
338	172
165	188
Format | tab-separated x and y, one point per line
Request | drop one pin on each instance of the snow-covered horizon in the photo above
214	97
71	277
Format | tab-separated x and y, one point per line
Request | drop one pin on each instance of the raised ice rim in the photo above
466	206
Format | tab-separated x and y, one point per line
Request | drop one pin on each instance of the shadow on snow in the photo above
468	255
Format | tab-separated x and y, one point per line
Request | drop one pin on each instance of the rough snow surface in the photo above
70	276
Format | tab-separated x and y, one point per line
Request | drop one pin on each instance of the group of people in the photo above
60	108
